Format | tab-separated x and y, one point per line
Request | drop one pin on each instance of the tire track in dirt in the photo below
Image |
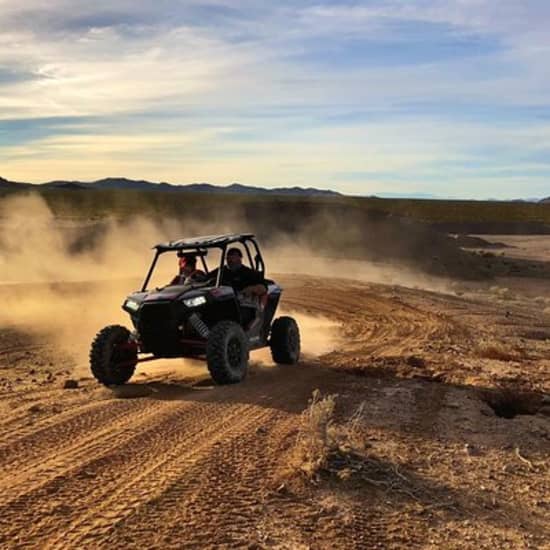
116	466
190	454
30	435
196	468
206	488
25	415
28	394
78	443
131	469
378	326
181	464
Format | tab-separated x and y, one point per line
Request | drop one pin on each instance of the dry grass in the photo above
499	352
320	437
339	450
501	293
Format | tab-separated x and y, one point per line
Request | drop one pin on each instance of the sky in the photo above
434	97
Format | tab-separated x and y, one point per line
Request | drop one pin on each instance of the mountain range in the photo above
143	185
234	188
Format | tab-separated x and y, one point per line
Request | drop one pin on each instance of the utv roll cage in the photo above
200	245
198	320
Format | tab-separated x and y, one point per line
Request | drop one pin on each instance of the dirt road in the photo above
171	461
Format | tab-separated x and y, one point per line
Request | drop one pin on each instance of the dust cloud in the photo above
294	259
67	278
319	334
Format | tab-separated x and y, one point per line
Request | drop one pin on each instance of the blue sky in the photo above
445	98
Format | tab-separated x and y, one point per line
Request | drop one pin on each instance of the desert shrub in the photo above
320	438
498	351
501	293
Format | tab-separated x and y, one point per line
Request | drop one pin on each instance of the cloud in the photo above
291	92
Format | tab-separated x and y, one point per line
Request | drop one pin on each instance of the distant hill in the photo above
6	184
546	200
246	189
143	185
405	195
70	185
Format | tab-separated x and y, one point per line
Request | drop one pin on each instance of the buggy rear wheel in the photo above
285	341
227	353
113	357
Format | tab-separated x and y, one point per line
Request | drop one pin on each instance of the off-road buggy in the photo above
201	320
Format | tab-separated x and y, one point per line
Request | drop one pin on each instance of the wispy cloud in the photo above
433	96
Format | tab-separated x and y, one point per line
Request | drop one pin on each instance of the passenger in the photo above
242	278
188	272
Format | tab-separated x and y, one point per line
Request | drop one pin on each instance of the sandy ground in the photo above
455	426
534	247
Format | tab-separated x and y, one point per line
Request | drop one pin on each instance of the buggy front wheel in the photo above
113	356
227	353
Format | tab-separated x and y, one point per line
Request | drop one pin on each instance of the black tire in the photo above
111	363
285	341
227	353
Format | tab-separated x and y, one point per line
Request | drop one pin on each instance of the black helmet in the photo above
235	250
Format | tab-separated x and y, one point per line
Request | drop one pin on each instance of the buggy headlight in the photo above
132	304
195	302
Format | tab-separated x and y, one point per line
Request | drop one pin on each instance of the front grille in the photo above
155	316
158	327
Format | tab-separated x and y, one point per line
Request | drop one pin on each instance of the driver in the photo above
188	272
240	277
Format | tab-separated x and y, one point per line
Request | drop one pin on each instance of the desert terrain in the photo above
418	417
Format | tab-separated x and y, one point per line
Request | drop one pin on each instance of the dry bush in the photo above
339	450
498	351
320	438
501	293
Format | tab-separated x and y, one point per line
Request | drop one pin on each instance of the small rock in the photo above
471	450
35	408
70	384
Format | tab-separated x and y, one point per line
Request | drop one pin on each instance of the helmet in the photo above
235	250
186	259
